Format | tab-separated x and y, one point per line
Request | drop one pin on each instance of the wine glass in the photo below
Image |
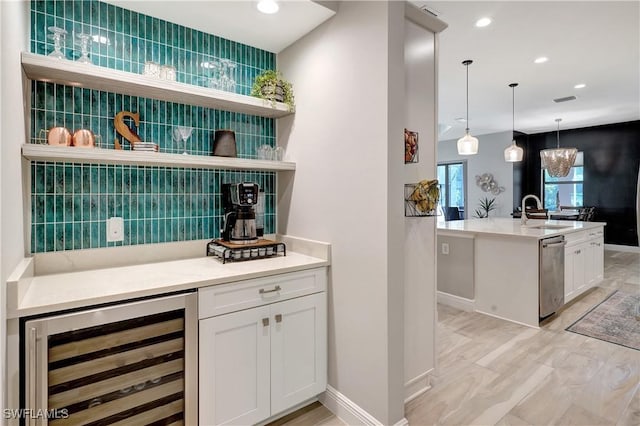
58	37
83	40
227	71
181	134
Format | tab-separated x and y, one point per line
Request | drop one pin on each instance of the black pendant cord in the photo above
558	120
513	111
467	98
466	63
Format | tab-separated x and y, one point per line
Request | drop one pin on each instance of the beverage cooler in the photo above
133	363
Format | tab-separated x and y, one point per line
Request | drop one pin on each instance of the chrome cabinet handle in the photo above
33	333
273	290
279	318
578	251
265	322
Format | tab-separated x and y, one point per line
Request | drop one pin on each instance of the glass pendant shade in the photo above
558	161
467	145
513	153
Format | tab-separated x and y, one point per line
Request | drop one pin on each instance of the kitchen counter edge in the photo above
29	294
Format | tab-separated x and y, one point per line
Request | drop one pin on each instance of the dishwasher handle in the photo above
558	244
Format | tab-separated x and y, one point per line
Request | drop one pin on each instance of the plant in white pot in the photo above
270	85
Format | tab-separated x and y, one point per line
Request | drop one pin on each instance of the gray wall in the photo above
489	159
455	270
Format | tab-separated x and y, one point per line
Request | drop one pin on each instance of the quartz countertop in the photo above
30	294
512	228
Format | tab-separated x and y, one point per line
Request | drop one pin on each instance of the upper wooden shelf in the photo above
44	68
36	152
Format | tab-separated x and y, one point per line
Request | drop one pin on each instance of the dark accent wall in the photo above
611	161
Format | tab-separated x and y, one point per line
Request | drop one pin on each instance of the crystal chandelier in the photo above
467	145
558	161
513	152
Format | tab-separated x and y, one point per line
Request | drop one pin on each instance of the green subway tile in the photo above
94	235
39	238
59	242
68	236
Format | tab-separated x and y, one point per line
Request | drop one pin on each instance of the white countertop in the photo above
34	295
512	227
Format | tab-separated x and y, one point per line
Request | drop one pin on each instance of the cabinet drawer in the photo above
225	298
576	237
595	233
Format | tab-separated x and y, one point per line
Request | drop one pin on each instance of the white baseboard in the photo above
457	302
417	386
507	319
616	247
348	411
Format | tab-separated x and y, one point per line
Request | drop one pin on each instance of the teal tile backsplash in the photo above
70	203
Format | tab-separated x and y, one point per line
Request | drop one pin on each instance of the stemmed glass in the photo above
181	134
227	82
58	37
83	40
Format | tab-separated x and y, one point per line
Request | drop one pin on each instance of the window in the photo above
564	191
452	182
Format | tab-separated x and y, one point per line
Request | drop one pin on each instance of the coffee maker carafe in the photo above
238	200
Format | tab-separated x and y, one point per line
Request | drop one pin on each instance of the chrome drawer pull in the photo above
279	318
273	290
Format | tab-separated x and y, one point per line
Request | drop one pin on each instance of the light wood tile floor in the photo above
492	372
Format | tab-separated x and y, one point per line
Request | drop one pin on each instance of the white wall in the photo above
346	138
419	312
14	36
489	159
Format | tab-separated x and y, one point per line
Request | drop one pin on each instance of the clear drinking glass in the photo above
83	41
58	36
180	135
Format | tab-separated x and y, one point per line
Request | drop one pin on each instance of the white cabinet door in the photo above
568	273
234	368
298	350
595	262
579	265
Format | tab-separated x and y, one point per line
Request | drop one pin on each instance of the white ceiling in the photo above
238	20
591	42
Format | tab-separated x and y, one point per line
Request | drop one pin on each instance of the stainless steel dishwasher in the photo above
551	285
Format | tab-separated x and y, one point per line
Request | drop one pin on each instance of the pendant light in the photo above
513	152
467	145
558	161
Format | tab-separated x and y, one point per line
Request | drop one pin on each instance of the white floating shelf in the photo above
36	152
44	68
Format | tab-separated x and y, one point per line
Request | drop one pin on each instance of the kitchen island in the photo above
492	266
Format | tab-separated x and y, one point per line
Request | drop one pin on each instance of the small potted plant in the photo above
270	85
486	205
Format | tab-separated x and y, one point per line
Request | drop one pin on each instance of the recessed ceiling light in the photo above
268	6
580	86
483	22
460	120
541	60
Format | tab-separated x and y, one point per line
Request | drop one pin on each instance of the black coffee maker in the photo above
238	200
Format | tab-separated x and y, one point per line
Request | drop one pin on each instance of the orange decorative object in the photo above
84	138
59	136
124	130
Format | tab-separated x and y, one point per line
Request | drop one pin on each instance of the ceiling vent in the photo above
565	99
430	10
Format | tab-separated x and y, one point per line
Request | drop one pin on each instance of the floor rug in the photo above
616	319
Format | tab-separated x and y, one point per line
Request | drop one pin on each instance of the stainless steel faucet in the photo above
523	216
